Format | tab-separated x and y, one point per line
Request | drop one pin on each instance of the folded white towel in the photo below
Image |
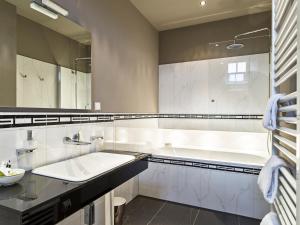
268	178
5	170
270	116
270	219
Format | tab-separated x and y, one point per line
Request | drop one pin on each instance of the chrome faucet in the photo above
75	140
97	138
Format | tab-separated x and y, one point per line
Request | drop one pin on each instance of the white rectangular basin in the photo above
84	167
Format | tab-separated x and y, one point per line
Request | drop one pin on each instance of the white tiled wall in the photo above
50	143
139	123
233	125
51	149
204	87
217	190
148	139
235	193
129	190
39	87
193	186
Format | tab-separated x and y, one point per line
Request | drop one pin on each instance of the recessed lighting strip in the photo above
43	10
55	7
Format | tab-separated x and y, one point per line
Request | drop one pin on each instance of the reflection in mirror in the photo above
47	63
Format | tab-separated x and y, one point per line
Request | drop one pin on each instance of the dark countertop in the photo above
34	190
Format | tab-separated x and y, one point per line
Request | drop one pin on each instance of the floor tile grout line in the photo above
195	220
238	220
158	211
161	212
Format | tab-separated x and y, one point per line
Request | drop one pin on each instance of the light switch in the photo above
97	106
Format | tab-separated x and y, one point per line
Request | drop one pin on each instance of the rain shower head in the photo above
235	46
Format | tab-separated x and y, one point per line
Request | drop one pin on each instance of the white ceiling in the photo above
170	14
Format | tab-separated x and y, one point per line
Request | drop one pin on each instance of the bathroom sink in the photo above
85	167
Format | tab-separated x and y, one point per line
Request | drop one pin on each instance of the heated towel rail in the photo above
286	80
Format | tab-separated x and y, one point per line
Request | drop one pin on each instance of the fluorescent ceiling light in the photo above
55	7
43	10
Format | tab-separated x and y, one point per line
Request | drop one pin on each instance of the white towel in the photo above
270	219
269	121
268	178
5	170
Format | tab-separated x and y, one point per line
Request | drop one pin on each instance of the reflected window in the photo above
241	67
232	67
236	73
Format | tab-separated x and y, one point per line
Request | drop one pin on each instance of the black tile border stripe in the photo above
10	121
211	166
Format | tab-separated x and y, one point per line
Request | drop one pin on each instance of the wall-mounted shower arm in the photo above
76	61
238	39
253	32
84	58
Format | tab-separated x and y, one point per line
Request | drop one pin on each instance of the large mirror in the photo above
45	59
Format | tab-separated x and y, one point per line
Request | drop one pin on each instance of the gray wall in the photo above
124	54
41	43
191	43
7	54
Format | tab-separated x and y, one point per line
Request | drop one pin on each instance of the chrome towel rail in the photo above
285	152
290	120
288	131
286	137
289	108
288	97
286	141
281	10
289	177
285	203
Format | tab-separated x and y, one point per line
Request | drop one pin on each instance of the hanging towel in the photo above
270	219
268	178
269	120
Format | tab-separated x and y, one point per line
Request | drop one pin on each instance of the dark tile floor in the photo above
149	211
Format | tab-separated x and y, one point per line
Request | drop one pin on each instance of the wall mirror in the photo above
45	58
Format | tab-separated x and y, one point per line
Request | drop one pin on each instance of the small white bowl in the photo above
10	180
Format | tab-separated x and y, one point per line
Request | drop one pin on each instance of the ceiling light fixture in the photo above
43	10
55	7
203	3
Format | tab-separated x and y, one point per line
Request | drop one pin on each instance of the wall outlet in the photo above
97	106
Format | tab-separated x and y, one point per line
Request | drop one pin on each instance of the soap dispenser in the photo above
25	154
30	143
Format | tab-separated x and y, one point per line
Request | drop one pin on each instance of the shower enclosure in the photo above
75	86
45	85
